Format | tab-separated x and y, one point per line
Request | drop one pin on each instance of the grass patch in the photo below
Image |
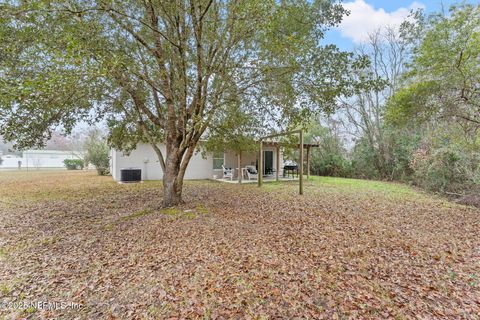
18	247
153	311
3	253
4	289
108	227
201	209
171	211
176	212
30	310
50	240
137	214
187	213
190	215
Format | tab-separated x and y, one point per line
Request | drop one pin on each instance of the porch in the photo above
242	167
241	164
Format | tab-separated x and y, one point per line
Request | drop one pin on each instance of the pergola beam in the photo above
280	134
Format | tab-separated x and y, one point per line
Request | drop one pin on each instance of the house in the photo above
38	159
201	166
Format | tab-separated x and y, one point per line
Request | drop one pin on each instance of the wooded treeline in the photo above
422	126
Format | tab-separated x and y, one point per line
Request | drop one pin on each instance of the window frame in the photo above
217	158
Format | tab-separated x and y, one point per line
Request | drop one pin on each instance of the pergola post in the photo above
239	163
308	162
301	162
277	172
260	164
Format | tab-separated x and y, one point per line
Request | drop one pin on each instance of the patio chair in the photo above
252	172
227	173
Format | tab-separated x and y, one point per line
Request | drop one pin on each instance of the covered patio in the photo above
243	167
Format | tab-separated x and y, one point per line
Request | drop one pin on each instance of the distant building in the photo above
38	159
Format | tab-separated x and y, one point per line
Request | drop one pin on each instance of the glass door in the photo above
268	162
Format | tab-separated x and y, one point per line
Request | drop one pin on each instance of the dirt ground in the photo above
346	249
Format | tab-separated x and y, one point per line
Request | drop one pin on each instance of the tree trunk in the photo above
172	195
172	182
175	168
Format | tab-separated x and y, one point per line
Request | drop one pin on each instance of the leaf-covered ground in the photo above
346	249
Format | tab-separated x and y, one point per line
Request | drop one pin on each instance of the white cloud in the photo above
364	19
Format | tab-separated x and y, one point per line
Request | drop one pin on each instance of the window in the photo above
218	160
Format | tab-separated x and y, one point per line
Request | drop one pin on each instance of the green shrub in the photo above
402	145
443	169
97	152
364	160
333	165
73	164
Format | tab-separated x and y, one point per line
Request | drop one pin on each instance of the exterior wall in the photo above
113	164
145	158
230	159
249	159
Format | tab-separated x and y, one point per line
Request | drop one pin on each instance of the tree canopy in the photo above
166	71
444	78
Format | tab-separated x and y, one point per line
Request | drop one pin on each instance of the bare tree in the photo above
362	114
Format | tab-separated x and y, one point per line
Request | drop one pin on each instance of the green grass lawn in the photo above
348	248
388	189
359	187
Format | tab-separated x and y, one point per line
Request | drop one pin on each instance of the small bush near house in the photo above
73	164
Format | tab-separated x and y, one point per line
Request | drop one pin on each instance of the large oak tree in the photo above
165	71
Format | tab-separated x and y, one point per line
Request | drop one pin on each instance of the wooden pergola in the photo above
302	146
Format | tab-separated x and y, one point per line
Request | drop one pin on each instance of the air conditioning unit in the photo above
130	175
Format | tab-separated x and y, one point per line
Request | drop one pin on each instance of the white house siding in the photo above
145	158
